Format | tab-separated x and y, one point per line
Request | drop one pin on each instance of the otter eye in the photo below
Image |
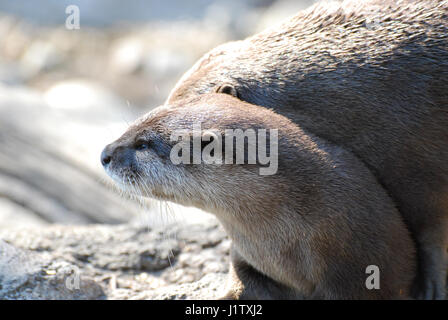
227	89
141	145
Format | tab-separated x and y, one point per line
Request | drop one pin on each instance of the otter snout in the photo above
118	154
106	156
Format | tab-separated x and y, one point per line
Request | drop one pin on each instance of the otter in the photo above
369	76
310	229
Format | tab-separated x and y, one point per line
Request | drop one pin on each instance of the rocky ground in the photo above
114	262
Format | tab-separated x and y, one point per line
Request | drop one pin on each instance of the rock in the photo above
211	286
41	56
127	56
13	215
29	276
11	74
160	63
49	162
82	96
114	262
14	37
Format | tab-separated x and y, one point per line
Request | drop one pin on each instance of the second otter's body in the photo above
311	230
370	76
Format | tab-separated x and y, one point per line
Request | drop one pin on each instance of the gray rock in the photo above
46	158
211	286
127	56
27	275
11	74
13	215
41	56
114	262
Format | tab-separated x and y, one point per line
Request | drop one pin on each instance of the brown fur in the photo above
308	231
370	76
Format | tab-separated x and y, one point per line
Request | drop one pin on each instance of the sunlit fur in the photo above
308	231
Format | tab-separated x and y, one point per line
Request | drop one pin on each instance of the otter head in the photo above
139	160
156	156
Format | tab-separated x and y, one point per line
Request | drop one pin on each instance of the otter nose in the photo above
106	156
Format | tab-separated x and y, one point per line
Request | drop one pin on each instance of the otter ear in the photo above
227	89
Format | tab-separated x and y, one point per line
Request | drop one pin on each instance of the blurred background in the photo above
66	93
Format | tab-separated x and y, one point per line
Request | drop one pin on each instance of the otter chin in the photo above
311	228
